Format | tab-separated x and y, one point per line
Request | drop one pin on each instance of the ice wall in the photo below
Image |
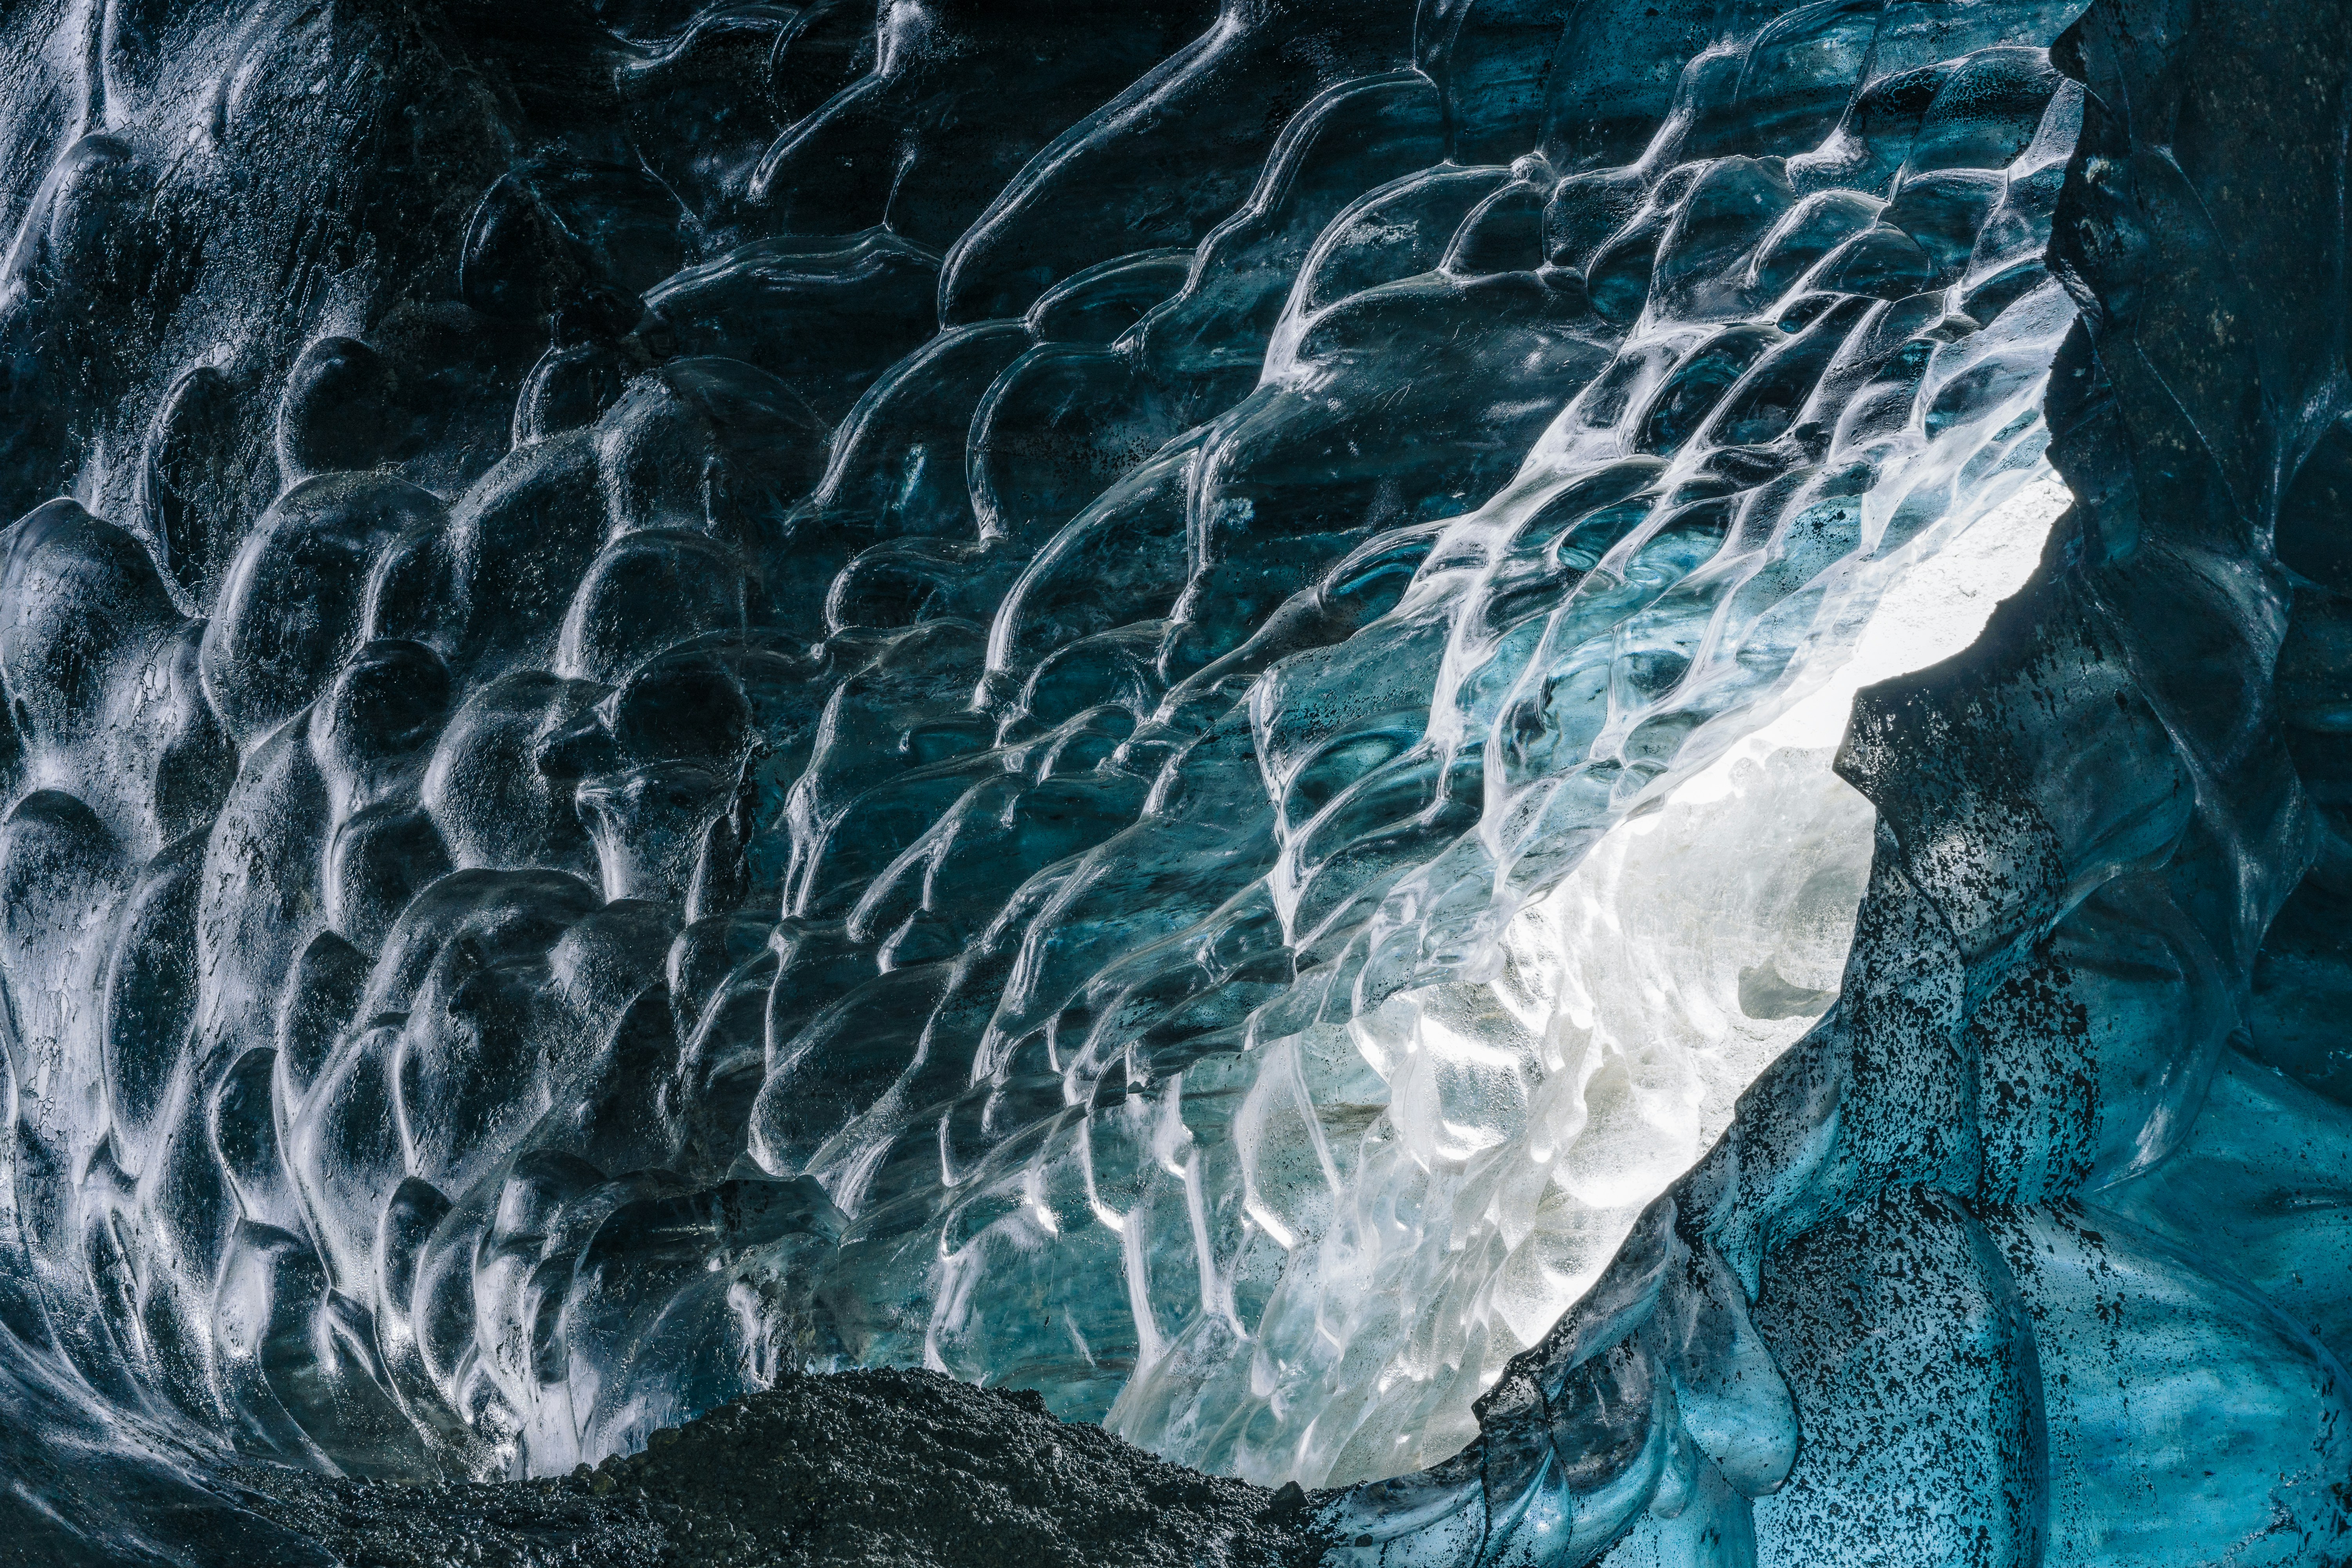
1044	693
2032	1250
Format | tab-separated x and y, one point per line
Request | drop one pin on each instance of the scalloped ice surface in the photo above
698	692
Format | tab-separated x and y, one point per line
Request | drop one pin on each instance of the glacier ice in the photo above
1153	704
1525	1120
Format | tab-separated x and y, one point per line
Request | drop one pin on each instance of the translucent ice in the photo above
1142	705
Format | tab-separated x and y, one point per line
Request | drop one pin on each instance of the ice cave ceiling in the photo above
1151	701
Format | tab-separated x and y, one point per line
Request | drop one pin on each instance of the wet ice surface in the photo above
711	692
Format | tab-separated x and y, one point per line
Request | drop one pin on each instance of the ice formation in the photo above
1139	702
1528	1118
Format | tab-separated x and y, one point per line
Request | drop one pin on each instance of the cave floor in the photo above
881	1469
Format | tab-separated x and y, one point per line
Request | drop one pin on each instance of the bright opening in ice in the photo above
1516	1126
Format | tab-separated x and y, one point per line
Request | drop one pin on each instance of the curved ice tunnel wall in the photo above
728	785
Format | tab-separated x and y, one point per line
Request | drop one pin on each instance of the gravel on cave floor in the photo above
879	1469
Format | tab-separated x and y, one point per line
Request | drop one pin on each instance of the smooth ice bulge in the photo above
1139	706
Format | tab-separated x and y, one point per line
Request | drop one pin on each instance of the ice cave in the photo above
1392	784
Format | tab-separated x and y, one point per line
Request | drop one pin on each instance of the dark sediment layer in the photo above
882	1469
